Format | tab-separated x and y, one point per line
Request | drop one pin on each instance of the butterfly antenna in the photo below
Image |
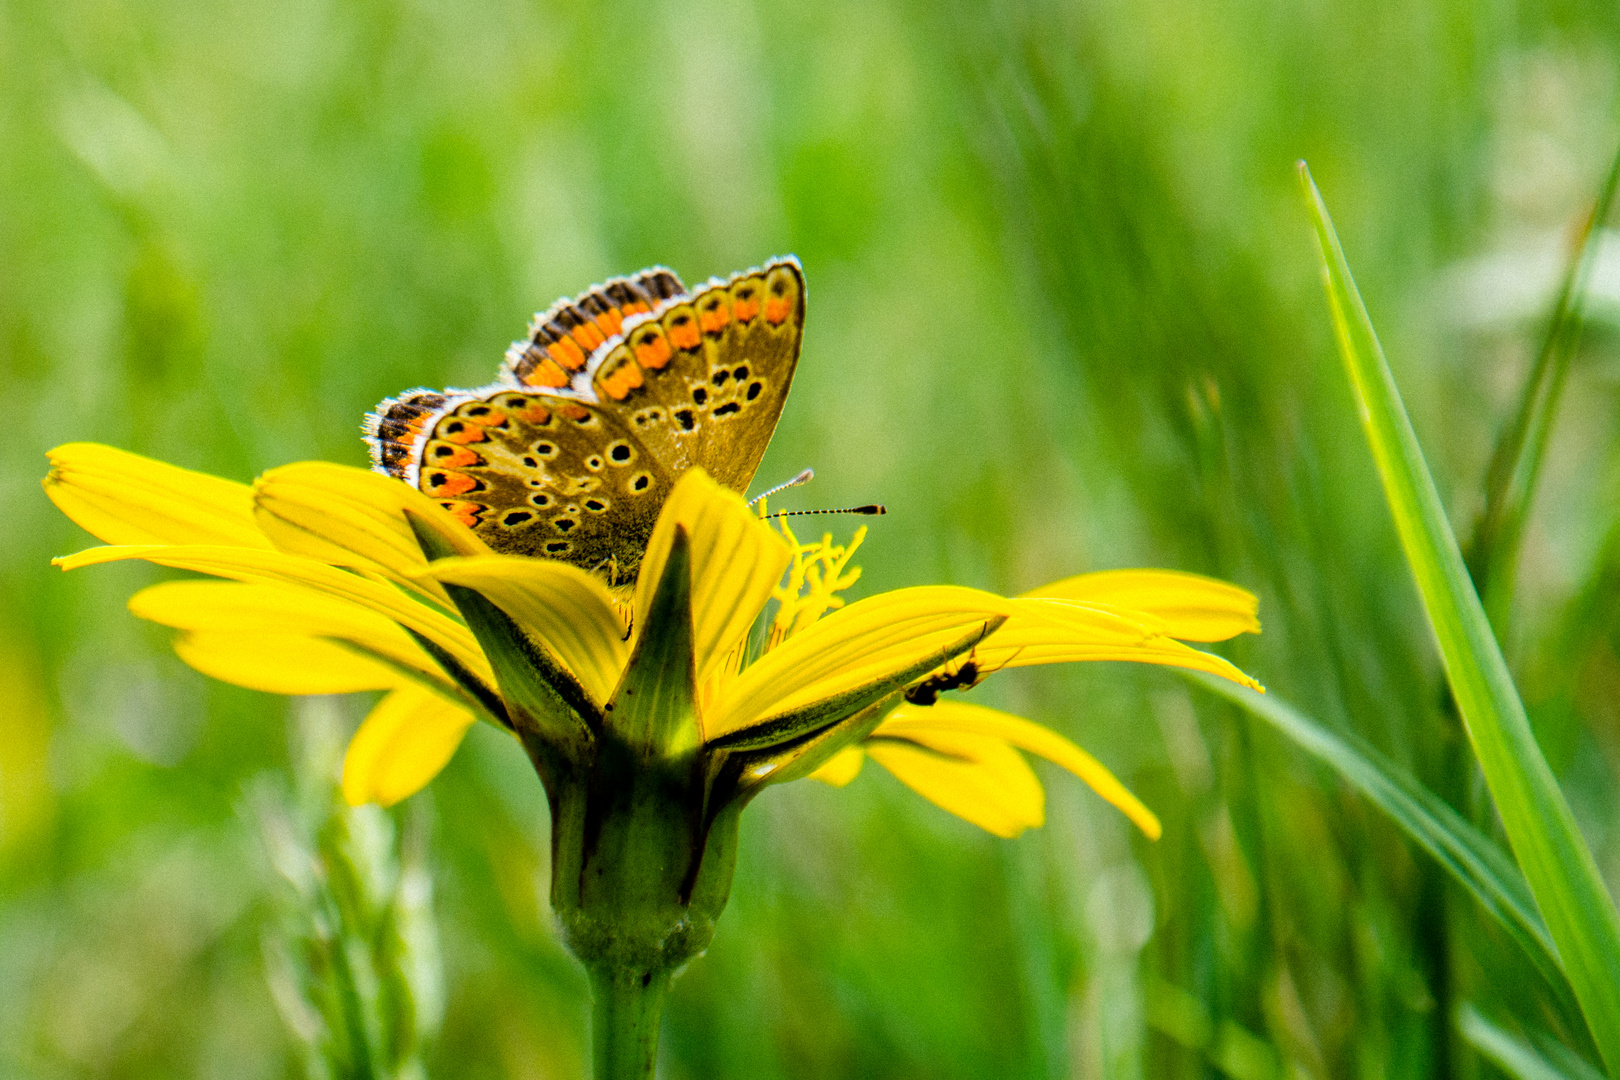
870	510
803	478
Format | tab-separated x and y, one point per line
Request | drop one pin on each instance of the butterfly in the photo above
571	453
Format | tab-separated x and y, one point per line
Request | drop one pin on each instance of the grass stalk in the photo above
1516	461
1557	864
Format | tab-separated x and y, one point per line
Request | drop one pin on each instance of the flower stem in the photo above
626	1006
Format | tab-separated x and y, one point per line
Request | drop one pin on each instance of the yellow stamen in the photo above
818	573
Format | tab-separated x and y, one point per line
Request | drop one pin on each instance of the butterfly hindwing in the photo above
702	381
546	477
394	431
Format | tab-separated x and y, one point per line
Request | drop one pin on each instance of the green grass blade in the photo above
1513	1055
1540	828
1516	461
1472	858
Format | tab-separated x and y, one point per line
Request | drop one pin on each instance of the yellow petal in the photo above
1193	607
407	738
1060	632
284	663
945	717
850	648
842	767
353	517
562	605
276	567
736	560
976	777
228	607
124	498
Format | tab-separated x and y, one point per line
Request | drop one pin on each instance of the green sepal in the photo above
451	690
642	859
548	701
542	697
800	758
434	544
798	723
654	709
488	700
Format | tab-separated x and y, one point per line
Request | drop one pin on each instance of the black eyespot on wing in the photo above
719	378
516	517
686	419
545	449
594	462
728	408
558	547
540	499
530	462
754	388
641	482
741	373
699	395
563	524
619	452
595	506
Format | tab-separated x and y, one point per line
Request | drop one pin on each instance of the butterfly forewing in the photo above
563	337
547	477
571	456
703	383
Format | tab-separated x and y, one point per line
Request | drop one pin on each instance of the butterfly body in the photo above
611	398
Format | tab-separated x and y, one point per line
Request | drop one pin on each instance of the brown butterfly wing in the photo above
686	381
547	477
563	337
703	380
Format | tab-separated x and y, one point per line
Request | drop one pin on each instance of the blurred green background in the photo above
1064	315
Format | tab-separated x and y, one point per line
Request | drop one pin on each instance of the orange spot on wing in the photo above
746	304
533	414
623	379
637	308
714	315
458	458
547	374
652	352
684	333
566	354
458	432
442	482
610	322
776	309
573	412
493	418
588	336
465	512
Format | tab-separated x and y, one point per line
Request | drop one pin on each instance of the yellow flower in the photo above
653	715
331	588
